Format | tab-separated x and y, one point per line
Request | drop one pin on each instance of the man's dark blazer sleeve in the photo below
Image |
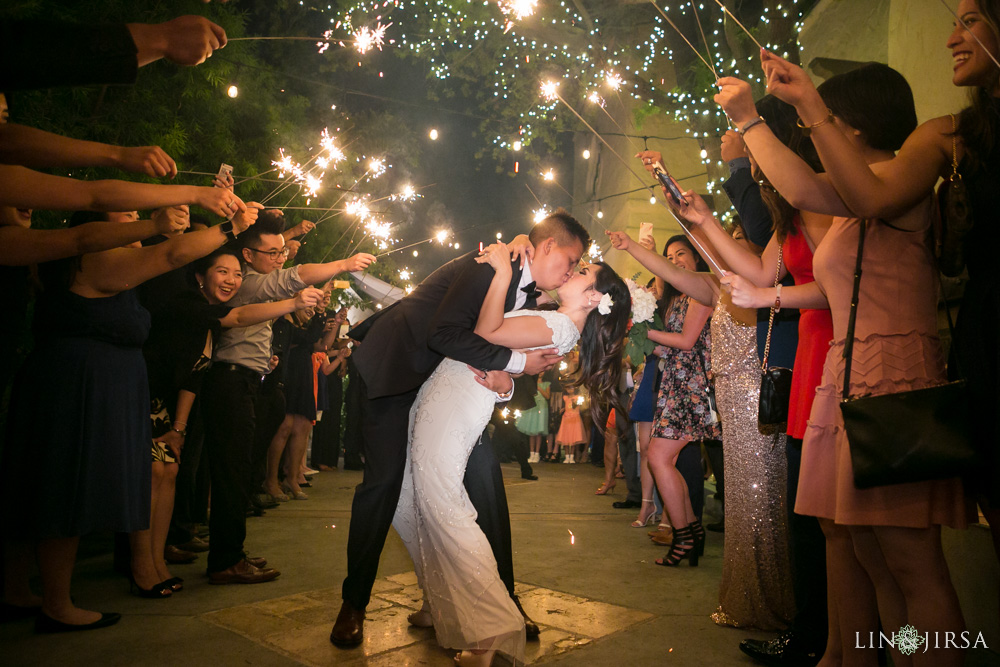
744	192
46	54
451	328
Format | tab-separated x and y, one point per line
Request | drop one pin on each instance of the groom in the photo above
403	344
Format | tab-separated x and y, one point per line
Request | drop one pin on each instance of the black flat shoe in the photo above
626	504
47	625
154	592
529	476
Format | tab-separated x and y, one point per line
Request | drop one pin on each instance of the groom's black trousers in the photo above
385	424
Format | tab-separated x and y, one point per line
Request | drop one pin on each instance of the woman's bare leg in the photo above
56	558
274	452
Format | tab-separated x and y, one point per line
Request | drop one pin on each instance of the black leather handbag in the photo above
775	383
910	436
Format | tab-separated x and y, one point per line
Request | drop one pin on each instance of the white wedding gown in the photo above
435	518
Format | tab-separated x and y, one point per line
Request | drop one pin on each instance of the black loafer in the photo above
626	504
47	625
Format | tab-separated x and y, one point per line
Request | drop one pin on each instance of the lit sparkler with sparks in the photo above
358	208
367	38
325	43
596	98
379	229
539	214
333	152
442	235
516	10
594	252
613	79
376	167
409	193
550	90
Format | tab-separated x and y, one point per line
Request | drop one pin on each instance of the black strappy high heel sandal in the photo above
698	532
682	546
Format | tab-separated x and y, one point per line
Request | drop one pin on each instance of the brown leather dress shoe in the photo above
196	545
243	572
530	627
176	556
349	629
257	561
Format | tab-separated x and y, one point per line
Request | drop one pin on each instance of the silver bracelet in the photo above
756	121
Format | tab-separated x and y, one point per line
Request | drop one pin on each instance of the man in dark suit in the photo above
402	345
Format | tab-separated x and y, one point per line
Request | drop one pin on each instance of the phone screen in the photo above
668	183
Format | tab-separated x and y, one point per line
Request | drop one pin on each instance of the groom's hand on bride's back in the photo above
539	361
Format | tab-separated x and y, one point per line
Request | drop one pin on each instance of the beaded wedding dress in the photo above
455	567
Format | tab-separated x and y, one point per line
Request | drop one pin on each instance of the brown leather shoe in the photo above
663	537
530	627
257	561
176	556
196	545
349	630
243	572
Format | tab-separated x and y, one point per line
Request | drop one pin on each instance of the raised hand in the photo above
742	292
171	220
733	146
736	99
788	82
497	256
246	217
189	40
520	246
292	246
225	182
649	158
306	226
619	240
310	297
358	262
149	160
696	212
222	203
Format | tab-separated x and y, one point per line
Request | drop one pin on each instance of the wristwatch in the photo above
228	230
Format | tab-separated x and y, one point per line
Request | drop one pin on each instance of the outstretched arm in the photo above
759	270
20	246
694	322
30	147
885	190
255	313
491	313
699	286
747	295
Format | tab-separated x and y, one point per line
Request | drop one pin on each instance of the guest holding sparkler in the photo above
858	120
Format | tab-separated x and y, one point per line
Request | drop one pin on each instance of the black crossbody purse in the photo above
909	436
775	383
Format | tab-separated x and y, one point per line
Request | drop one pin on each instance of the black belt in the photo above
249	373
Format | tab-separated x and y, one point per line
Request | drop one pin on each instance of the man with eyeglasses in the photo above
235	405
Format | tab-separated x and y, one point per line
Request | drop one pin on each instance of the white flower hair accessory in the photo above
604	307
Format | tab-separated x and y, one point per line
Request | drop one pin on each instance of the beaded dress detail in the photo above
436	520
756	586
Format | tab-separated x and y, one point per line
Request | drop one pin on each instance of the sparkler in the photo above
704	39
697	244
678	30
367	38
539	214
516	10
752	38
613	80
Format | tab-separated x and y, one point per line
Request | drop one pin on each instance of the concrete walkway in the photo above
584	575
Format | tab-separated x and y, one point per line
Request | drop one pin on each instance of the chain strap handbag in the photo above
775	383
909	436
956	220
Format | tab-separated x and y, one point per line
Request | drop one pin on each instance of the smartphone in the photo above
225	171
341	284
669	183
645	229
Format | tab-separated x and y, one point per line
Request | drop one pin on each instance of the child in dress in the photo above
570	436
534	423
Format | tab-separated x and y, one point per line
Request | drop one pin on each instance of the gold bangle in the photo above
807	129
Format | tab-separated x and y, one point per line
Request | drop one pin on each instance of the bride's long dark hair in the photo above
602	344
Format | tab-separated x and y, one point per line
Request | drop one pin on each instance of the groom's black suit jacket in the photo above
404	343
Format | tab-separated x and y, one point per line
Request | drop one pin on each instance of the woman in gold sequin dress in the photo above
756	587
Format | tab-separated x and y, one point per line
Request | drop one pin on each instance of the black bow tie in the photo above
530	290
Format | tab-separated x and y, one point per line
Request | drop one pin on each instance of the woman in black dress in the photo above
88	370
178	352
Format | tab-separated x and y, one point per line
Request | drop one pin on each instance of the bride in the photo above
469	605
